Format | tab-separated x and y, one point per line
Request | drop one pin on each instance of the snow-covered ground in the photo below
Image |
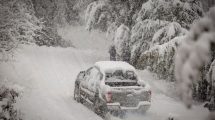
47	74
86	40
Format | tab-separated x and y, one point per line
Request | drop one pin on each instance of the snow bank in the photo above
85	40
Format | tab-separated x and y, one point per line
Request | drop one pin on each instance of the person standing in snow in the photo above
112	52
203	87
211	92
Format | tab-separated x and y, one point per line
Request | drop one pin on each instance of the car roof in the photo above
109	66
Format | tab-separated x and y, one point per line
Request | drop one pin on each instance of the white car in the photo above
114	87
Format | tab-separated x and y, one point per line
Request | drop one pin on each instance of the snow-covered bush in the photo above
54	14
57	12
17	25
20	25
161	58
8	95
193	54
183	12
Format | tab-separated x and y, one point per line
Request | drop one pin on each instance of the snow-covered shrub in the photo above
183	12
8	96
20	25
17	25
161	58
141	36
193	54
57	12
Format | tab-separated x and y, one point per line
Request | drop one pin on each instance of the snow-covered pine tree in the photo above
97	15
160	58
17	24
103	13
158	23
181	11
193	54
167	33
141	37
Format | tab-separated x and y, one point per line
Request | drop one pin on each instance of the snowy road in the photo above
47	76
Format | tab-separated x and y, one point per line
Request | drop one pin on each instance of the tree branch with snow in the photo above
193	54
